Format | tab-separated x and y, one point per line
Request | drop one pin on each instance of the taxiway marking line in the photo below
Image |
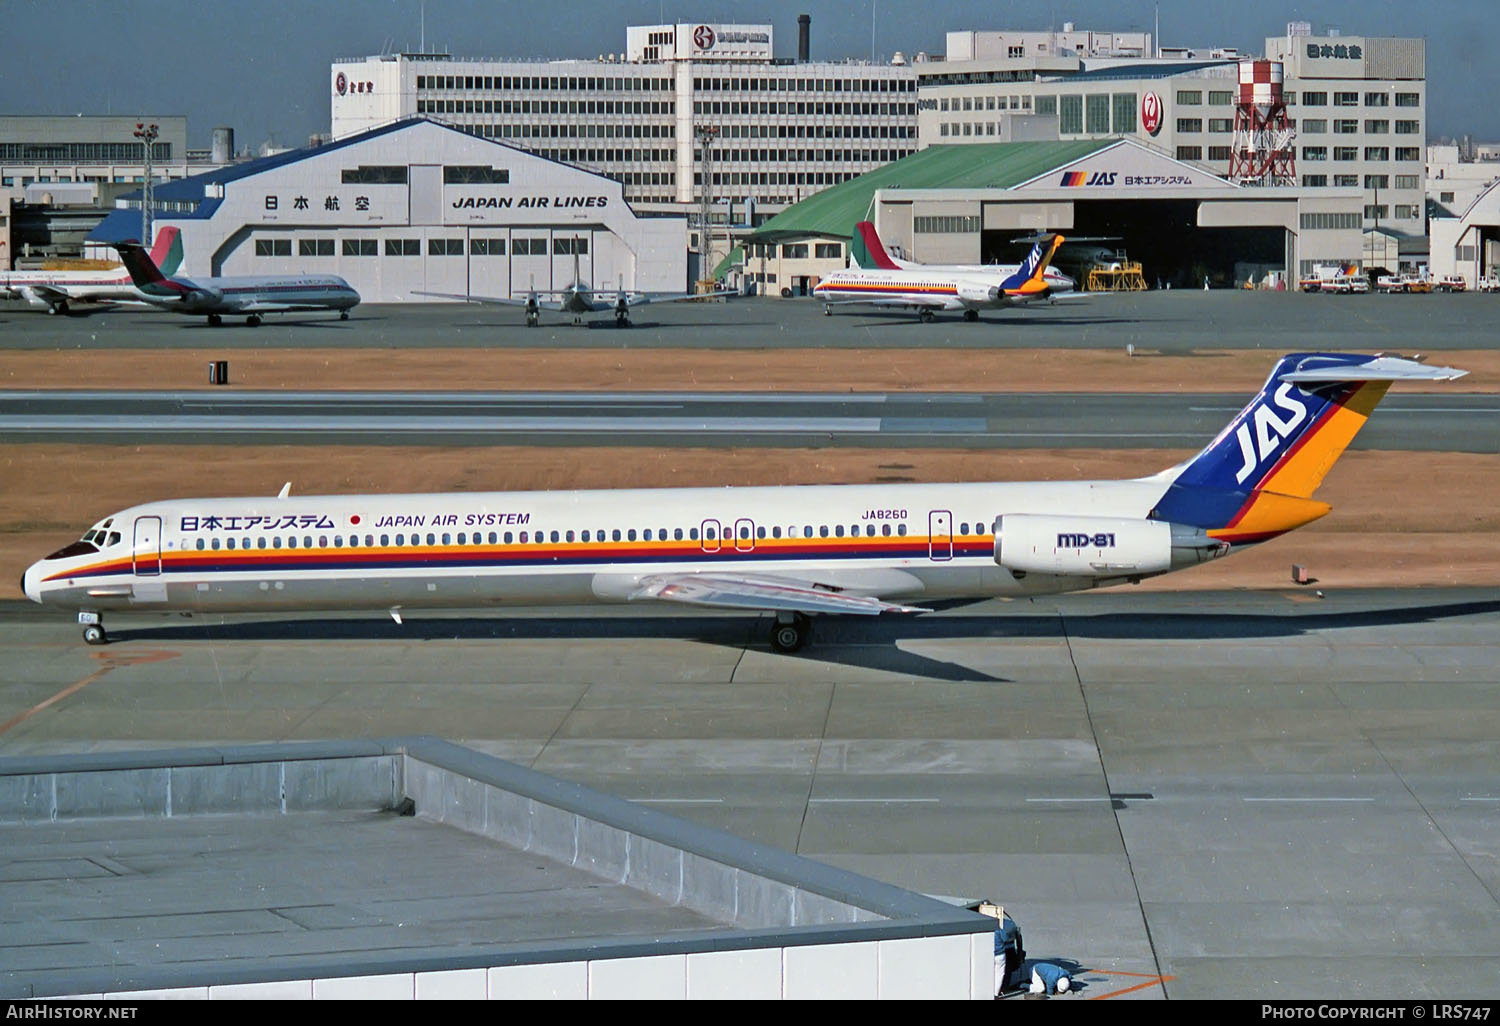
111	662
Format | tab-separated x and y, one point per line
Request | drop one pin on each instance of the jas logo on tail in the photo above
1270	430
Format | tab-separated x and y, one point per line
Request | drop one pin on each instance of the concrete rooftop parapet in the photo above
718	893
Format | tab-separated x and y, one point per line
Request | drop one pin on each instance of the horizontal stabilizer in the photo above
1316	369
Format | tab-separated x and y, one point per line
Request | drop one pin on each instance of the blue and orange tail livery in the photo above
1256	479
866	250
1029	276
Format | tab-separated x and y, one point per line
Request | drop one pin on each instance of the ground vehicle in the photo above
1489	283
1358	283
1418	285
1390	283
1452	283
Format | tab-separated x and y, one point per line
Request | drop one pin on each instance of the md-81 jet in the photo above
250	296
927	290
867	252
56	290
791	551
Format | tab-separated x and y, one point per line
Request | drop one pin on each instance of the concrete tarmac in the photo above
1230	795
1452	423
1175	322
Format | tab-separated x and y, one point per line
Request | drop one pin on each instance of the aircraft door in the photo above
708	535
940	535
744	535
146	551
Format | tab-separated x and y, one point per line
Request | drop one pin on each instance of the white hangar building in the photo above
415	206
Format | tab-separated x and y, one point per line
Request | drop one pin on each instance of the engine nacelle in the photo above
201	299
1087	546
972	292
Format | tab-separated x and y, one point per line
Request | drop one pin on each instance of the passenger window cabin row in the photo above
417	539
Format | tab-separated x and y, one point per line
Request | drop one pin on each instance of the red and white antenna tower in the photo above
1262	152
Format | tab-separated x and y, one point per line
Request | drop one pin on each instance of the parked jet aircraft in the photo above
251	296
867	251
792	551
927	290
579	298
55	290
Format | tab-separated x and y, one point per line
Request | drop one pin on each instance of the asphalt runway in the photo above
1248	795
1175	322
1453	423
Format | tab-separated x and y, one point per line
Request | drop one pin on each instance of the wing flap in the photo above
778	594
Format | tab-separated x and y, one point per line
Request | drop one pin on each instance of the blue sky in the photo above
262	68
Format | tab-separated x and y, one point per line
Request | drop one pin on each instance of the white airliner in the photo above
55	290
867	251
580	298
251	296
927	290
792	551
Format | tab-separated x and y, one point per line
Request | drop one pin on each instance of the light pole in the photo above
147	135
706	136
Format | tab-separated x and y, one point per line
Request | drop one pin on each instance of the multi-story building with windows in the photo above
1357	104
782	129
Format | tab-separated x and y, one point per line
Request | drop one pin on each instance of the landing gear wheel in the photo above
214	320
791	635
531	319
827	309
343	315
93	634
253	320
57	308
925	316
622	320
971	315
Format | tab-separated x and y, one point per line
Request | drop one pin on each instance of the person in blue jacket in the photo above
1008	950
1047	978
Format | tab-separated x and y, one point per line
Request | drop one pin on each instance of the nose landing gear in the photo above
93	628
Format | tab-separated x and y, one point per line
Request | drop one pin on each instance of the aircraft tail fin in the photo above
1256	479
866	251
167	253
1030	276
143	270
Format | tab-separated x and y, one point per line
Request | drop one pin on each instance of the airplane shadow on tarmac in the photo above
870	643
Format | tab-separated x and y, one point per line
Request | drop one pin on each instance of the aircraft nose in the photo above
29	584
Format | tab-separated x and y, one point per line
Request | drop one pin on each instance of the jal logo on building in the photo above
1151	113
703	37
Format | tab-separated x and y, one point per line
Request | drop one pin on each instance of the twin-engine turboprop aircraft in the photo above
792	551
579	298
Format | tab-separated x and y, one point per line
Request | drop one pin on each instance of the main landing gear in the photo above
343	315
622	319
214	320
791	631
925	316
971	315
93	628
253	320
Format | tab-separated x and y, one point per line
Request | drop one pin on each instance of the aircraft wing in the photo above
642	298
743	591
492	300
935	302
43	292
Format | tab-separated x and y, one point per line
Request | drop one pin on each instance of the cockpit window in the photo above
114	539
78	548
